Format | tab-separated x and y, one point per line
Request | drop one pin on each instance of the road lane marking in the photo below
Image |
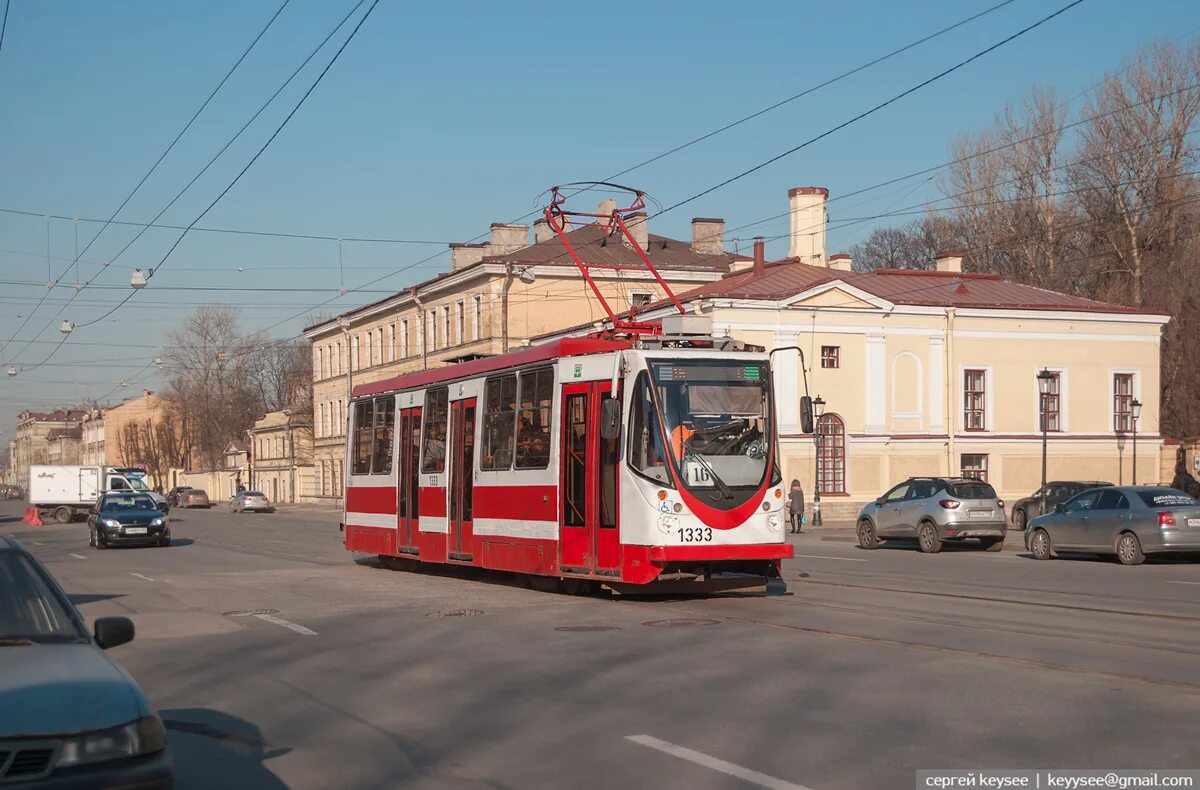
730	769
37	543
270	618
140	576
823	557
79	556
1174	582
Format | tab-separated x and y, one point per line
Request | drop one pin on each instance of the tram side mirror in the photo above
806	414
610	418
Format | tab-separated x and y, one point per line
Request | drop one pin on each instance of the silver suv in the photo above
935	510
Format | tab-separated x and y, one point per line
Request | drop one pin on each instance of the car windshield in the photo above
29	608
128	502
715	419
1166	497
971	491
137	484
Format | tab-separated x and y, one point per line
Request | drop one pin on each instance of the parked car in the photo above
194	497
72	717
250	500
934	510
12	492
1127	521
173	495
1048	497
127	518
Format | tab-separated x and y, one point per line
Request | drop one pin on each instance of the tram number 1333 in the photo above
695	534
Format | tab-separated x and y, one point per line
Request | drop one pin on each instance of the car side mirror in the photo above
610	418
113	631
879	501
92	510
806	414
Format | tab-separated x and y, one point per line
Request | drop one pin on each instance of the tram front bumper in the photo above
716	553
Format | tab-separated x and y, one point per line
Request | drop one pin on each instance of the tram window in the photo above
385	423
500	397
533	419
645	438
433	450
364	419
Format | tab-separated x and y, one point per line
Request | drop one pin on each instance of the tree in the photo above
912	246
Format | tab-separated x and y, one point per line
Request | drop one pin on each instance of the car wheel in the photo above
928	539
867	539
64	515
164	541
1129	549
992	544
91	537
100	544
1039	545
1020	518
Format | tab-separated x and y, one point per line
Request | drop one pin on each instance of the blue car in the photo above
127	518
70	716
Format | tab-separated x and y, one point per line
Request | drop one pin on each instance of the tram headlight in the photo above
774	522
667	522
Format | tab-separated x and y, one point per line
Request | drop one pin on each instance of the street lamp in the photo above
818	410
1044	379
1135	409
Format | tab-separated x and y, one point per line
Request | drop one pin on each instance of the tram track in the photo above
1014	601
932	648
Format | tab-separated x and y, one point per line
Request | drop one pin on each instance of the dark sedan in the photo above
127	518
70	716
1129	522
1048	497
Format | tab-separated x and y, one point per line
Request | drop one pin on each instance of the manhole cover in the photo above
588	628
249	612
456	613
679	622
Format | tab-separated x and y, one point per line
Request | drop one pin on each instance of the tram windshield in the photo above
715	419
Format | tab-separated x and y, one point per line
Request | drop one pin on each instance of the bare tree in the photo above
912	246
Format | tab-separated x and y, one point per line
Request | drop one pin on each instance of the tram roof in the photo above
563	347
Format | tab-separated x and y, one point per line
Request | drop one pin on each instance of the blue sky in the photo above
443	117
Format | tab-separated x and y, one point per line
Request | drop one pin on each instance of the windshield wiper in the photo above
726	491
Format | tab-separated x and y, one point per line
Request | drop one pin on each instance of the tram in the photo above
641	459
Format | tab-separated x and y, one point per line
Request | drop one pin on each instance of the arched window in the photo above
831	459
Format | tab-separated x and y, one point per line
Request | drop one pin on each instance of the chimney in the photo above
708	236
507	238
541	231
950	261
606	207
463	254
841	262
636	222
808	224
760	256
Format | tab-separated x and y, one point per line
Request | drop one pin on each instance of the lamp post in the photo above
818	410
1045	378
1135	411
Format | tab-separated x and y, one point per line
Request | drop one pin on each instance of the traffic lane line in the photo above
715	764
140	576
78	556
270	618
1169	581
823	557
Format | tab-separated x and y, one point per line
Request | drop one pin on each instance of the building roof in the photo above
65	433
237	447
58	415
666	254
783	279
591	244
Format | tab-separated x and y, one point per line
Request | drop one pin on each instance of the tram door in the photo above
589	540
462	479
408	475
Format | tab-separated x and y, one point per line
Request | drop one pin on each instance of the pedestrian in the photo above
796	506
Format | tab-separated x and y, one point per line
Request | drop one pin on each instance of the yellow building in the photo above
495	297
935	372
281	456
31	445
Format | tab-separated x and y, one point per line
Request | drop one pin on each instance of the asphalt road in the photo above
279	660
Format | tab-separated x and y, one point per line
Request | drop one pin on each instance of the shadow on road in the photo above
79	599
214	749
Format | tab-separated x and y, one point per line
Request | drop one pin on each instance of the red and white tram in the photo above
645	461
